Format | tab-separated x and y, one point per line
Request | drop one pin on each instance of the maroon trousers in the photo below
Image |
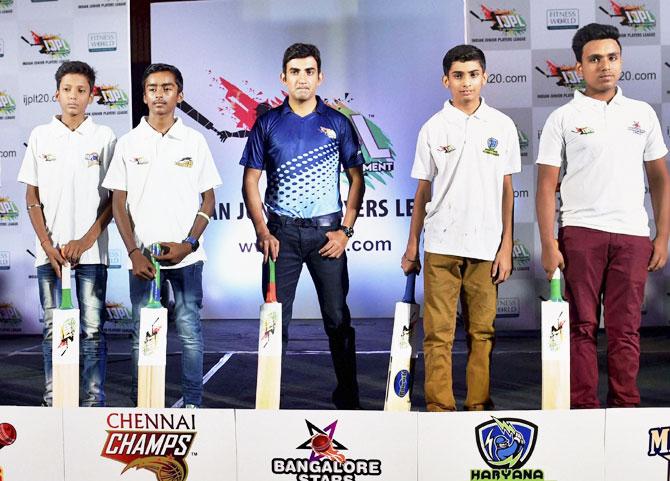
613	267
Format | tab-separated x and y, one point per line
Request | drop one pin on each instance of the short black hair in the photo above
463	53
301	50
164	67
593	31
77	67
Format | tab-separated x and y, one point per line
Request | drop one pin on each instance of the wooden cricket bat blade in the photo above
65	358
555	355
399	379
268	379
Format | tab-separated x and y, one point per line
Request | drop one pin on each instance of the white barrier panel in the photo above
636	444
534	445
326	446
31	444
149	445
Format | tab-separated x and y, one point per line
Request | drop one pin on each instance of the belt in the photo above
328	220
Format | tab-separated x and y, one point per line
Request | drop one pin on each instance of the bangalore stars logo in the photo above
636	17
7	437
49	44
111	96
504	20
326	462
505	445
156	442
7	104
243	105
567	75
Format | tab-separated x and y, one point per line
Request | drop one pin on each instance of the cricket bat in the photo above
65	346
268	379
555	348
153	344
404	351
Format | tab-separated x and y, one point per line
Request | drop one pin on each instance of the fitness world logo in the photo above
506	445
5	261
326	461
636	17
156	442
102	42
508	307
243	105
7	105
49	44
9	212
115	258
562	18
111	96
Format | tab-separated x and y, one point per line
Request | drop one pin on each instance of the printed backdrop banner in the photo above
35	38
531	72
382	65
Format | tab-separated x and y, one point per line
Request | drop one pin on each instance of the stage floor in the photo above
308	377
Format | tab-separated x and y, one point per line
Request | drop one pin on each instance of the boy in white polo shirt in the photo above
465	157
605	142
163	177
63	169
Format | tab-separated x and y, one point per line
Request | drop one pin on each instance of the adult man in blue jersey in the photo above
302	144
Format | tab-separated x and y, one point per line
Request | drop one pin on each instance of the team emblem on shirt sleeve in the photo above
636	129
138	160
447	149
47	157
92	159
584	130
330	133
491	145
185	162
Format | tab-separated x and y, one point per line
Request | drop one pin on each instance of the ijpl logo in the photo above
6	5
50	44
562	19
506	444
7	104
504	20
520	256
523	140
5	262
9	212
566	74
118	312
102	42
9	313
636	17
111	96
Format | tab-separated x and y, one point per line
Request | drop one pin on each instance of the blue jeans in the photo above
300	244
186	283
91	288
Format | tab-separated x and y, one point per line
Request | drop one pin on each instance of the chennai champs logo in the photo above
242	105
156	442
505	445
326	461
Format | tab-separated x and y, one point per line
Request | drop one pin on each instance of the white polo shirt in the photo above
164	176
68	167
602	147
466	158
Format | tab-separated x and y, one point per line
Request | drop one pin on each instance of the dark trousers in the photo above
614	267
300	244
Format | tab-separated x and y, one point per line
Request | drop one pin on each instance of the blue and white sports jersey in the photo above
302	158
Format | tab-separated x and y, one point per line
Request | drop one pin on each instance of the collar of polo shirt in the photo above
320	106
586	100
482	112
177	131
59	129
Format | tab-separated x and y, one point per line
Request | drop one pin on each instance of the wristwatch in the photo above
348	231
194	243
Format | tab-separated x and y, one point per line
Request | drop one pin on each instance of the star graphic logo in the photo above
319	445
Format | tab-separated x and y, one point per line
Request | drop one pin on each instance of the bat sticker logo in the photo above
557	334
67	331
269	325
150	344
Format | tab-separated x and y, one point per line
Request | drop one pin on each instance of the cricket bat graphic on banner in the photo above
152	345
404	351
555	348
268	379
65	346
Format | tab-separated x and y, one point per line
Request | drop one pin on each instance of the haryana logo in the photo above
566	74
243	105
491	145
156	442
111	96
7	104
326	462
506	444
506	21
49	44
636	17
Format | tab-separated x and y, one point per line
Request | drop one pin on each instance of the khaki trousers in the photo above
446	279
